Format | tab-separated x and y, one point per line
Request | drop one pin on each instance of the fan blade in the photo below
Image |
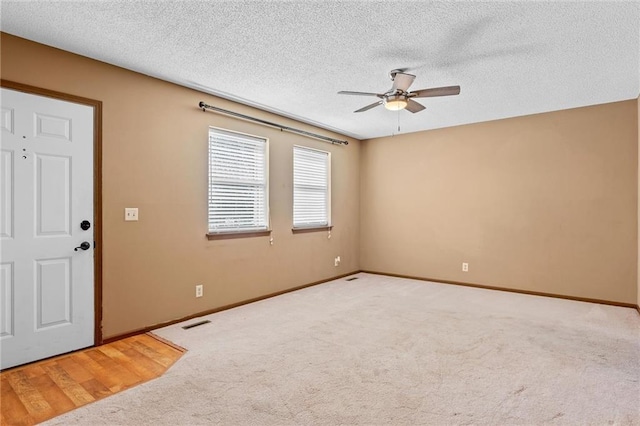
413	106
402	81
346	92
368	107
436	91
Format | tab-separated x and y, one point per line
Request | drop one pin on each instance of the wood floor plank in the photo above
96	389
145	362
70	387
52	393
125	377
39	391
13	410
128	363
164	360
138	363
31	398
101	374
33	370
76	371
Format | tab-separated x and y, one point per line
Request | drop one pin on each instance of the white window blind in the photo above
238	190
311	188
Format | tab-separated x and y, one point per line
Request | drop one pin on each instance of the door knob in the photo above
83	246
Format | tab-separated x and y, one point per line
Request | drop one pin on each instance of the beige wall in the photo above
541	203
155	158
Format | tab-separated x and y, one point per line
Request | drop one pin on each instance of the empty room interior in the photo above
332	213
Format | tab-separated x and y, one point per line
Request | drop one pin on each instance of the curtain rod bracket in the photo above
282	128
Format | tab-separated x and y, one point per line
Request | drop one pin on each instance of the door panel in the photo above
6	194
53	292
53	127
6	297
47	288
52	195
6	120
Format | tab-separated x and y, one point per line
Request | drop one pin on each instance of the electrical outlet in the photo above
199	290
465	267
336	261
130	214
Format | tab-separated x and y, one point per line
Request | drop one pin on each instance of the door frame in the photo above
97	187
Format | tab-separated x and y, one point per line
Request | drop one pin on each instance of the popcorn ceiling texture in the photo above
510	58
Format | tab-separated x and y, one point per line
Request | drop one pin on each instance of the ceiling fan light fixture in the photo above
395	102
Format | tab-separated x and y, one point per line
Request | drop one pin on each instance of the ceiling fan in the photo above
399	97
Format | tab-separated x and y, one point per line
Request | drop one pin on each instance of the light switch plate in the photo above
131	214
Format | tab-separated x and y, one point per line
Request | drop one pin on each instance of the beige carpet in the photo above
388	351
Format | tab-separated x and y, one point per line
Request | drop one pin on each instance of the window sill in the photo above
238	234
311	229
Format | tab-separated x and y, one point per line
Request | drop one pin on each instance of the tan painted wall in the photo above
155	158
542	203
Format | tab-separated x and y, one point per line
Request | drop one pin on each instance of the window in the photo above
238	189
311	188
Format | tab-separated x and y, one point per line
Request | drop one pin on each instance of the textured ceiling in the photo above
510	58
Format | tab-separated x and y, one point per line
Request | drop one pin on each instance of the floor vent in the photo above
195	324
351	279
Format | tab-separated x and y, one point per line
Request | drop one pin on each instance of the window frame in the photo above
312	227
239	232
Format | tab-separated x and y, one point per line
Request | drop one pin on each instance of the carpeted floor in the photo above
389	351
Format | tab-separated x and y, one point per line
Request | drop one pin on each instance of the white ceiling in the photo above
510	58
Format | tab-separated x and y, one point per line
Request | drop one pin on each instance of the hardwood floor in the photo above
36	392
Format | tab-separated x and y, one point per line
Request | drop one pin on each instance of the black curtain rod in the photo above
270	124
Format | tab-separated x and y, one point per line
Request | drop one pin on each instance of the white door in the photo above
46	184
